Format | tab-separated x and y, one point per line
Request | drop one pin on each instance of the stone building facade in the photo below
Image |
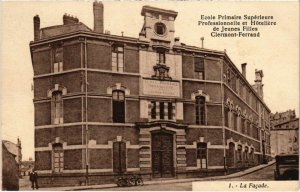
108	105
284	133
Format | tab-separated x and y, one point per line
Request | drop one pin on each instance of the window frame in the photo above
57	112
118	117
199	71
200	151
57	64
118	67
60	152
200	106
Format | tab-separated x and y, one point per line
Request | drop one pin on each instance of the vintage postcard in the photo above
150	95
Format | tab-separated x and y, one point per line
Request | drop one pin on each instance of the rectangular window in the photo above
57	59
160	57
57	108
170	111
199	67
58	158
119	157
161	110
200	110
117	59
153	110
118	107
202	155
235	121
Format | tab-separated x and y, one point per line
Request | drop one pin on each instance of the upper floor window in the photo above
202	155
199	67
160	28
160	57
153	110
117	59
57	107
119	157
200	110
118	106
57	59
58	158
162	110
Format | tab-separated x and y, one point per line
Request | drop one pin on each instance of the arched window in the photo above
57	107
202	155
118	106
119	157
58	157
200	110
239	153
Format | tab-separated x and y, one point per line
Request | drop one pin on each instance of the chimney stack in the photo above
98	16
68	19
36	27
244	69
258	82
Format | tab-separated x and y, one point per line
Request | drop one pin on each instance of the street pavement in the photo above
259	173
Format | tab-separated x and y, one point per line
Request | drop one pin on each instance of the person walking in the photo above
33	177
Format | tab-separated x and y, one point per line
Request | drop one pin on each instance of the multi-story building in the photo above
107	105
284	133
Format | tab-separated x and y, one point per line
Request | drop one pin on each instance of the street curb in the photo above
106	186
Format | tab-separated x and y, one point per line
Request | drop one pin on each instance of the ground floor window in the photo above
202	155
119	157
58	158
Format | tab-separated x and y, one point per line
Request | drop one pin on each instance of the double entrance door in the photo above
162	154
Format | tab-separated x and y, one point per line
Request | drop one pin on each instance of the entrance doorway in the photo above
162	154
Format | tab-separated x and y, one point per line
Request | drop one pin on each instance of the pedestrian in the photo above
33	177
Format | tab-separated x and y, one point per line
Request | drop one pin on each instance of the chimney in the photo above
98	16
68	19
36	27
258	82
244	69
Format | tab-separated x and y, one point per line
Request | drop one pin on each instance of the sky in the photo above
276	52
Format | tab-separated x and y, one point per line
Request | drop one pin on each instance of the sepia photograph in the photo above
149	95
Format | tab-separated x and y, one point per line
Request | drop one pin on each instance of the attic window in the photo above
160	28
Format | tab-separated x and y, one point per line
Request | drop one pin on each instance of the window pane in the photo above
170	110
120	49
121	96
161	110
55	67
115	95
153	110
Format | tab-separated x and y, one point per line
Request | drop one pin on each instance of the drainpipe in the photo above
86	118
223	120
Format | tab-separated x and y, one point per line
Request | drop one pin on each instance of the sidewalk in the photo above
234	175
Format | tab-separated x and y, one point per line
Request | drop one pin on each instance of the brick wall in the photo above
72	81
132	158
72	159
71	56
99	56
72	110
43	160
214	136
41	61
42	113
215	157
103	134
99	110
191	158
100	158
132	111
107	80
187	69
131	57
212	70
